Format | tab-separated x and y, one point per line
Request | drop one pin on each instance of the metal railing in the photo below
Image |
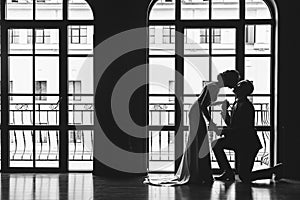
47	141
48	114
161	143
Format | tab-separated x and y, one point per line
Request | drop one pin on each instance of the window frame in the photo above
63	126
239	25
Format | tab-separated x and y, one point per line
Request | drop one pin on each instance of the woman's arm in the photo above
205	102
224	113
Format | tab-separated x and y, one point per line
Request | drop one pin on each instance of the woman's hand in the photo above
213	127
225	105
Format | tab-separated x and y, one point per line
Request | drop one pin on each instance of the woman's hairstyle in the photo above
229	78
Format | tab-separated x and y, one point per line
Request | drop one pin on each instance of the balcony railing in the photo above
161	143
47	141
48	114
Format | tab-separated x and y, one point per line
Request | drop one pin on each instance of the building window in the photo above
216	35
168	35
75	88
250	34
14	36
152	35
42	36
40	88
204	36
78	34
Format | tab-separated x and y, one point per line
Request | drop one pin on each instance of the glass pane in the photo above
20	10
79	10
0	105
81	150
163	10
216	110
257	9
20	67
20	110
224	41
262	107
229	154
225	9
162	40
0	148
258	39
50	10
219	65
47	110
0	33
188	102
21	148
47	148
258	70
262	160
196	41
46	41
161	150
194	9
81	76
81	110
196	73
80	39
161	75
20	41
162	111
47	71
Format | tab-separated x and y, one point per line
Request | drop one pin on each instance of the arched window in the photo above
198	39
47	85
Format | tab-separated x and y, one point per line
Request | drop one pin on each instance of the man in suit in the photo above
241	137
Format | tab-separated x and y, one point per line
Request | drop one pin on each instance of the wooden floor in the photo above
89	187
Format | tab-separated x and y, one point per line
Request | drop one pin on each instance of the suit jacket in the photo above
241	126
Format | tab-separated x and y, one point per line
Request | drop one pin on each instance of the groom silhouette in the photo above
241	137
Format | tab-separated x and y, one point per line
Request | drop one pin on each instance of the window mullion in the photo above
63	85
33	91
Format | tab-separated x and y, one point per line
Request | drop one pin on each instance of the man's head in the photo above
244	88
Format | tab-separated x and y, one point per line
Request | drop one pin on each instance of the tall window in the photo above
211	36
49	63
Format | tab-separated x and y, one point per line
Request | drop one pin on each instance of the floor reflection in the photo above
81	187
265	190
85	186
47	186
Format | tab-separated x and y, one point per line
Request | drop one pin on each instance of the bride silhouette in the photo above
195	165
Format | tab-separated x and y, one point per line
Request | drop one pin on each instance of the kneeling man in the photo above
241	137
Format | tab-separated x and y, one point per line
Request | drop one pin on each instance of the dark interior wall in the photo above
113	17
289	41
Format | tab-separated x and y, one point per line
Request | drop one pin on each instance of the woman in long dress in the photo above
195	166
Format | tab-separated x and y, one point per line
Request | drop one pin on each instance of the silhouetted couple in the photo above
195	165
